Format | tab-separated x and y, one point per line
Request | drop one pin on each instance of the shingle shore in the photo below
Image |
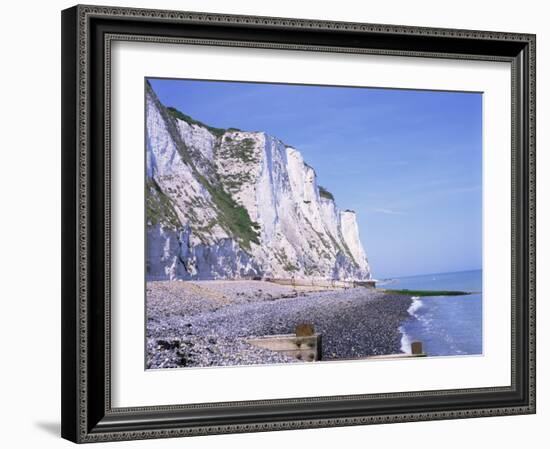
197	324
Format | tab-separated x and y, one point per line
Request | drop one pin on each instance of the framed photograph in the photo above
277	224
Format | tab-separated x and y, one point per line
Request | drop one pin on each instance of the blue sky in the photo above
408	162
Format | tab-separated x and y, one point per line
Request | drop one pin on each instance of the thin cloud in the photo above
388	211
462	190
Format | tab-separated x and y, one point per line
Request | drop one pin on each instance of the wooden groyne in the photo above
416	351
306	345
303	345
321	283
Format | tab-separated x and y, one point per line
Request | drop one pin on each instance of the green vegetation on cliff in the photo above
159	208
233	217
242	150
324	193
218	132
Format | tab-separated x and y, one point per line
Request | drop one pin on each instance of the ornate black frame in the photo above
87	32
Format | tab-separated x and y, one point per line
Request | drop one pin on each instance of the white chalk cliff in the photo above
224	204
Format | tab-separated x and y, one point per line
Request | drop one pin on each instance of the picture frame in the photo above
87	411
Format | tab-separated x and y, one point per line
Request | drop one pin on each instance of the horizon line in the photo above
428	274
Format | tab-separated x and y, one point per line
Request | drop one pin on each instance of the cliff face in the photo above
230	204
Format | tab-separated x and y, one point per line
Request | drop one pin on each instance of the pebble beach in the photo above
207	323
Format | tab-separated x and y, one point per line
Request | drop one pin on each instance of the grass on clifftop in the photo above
427	292
324	193
218	132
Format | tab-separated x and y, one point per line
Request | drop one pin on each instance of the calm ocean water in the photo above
446	325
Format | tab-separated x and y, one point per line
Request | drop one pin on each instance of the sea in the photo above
446	325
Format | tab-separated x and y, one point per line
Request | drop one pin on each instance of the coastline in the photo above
207	323
447	312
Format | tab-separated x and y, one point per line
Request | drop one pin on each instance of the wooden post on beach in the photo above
304	344
304	330
416	348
